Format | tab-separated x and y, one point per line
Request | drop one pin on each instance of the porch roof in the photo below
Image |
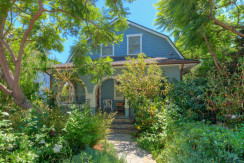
120	61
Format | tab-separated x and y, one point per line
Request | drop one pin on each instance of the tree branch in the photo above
23	41
11	22
5	89
3	60
232	29
238	13
218	22
226	4
212	53
9	49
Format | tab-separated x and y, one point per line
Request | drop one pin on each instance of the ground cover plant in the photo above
108	155
43	134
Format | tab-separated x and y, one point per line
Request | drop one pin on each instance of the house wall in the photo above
107	87
152	45
89	90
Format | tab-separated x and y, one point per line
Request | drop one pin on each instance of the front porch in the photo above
109	99
102	96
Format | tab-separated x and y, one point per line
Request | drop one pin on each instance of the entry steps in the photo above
122	125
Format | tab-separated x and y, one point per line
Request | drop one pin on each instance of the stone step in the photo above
122	126
122	131
123	120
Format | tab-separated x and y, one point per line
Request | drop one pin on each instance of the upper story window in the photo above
134	44
107	50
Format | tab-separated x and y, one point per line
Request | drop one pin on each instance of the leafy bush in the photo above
108	155
225	94
140	81
165	121
197	142
84	130
146	114
171	139
30	140
189	96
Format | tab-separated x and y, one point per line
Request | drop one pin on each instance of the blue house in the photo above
137	39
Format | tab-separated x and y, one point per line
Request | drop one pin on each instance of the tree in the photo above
33	27
140	81
208	26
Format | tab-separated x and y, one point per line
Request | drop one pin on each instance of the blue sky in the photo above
142	12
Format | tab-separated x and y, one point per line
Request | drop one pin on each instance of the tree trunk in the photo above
11	90
20	99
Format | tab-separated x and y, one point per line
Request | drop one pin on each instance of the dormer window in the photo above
107	50
134	44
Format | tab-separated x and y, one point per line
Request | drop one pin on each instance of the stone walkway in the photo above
127	148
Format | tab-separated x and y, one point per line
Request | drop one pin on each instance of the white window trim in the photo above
132	35
115	97
106	55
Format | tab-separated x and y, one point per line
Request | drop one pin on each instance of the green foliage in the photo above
28	140
189	95
142	85
166	119
42	134
31	29
108	155
146	114
197	142
188	20
96	68
171	139
140	81
198	32
84	130
225	95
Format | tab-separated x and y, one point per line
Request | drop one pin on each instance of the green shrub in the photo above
28	138
108	155
84	129
190	97
171	139
155	137
198	142
225	93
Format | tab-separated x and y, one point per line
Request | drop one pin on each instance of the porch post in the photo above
127	112
92	101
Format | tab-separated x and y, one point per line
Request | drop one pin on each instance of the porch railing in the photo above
75	101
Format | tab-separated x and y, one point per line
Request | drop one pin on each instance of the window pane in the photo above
134	45
107	50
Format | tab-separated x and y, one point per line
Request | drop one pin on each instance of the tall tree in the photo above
210	26
38	26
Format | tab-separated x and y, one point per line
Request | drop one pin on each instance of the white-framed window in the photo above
117	94
134	44
107	50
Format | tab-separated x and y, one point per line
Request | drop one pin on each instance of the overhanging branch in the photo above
23	41
223	25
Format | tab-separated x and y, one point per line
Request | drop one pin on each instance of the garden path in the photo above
127	148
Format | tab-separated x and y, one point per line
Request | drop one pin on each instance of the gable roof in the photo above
157	34
150	31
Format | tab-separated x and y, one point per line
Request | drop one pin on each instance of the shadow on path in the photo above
125	146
